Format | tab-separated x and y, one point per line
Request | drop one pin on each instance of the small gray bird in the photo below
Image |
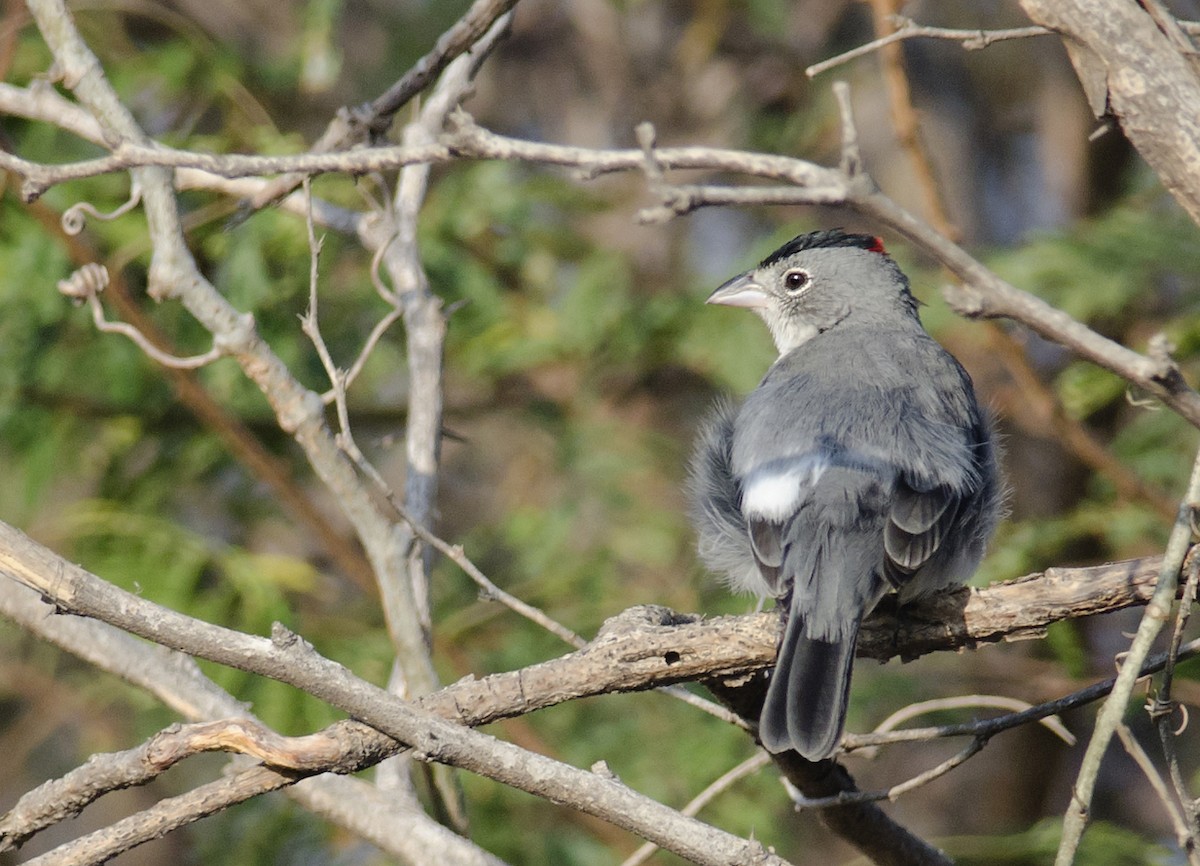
861	464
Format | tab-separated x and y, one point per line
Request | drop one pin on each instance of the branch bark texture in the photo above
1131	68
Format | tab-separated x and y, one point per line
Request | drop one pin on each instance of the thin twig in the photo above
74	218
1113	709
991	727
490	591
704	705
350	126
309	322
364	354
310	325
192	362
1162	707
683	199
891	794
456	554
166	815
1186	601
908	29
39	101
904	118
462	37
1183	835
104	773
958	702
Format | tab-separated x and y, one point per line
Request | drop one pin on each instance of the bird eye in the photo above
796	280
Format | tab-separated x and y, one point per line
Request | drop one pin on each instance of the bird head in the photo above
817	281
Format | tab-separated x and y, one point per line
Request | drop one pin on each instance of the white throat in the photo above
789	332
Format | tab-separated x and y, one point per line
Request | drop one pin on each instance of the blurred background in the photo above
580	360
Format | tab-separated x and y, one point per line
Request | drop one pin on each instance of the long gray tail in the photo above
805	708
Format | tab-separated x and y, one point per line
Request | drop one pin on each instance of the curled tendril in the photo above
74	218
85	286
86	282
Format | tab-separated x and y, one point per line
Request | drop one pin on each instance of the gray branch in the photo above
645	648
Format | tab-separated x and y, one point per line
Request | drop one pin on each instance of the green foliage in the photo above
268	830
1100	268
1122	273
591	371
1104	844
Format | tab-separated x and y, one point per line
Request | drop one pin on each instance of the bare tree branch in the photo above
1163	709
906	28
1052	723
39	101
1113	709
982	293
647	646
1033	405
49	803
462	37
175	679
288	658
636	652
1130	68
393	237
988	728
350	126
904	119
863	824
174	274
1183	835
85	286
164	816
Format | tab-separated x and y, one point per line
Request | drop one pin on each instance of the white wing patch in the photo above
775	491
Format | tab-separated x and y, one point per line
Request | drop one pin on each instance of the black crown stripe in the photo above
824	239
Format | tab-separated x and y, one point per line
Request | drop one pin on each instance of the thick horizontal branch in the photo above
288	658
349	746
643	648
406	833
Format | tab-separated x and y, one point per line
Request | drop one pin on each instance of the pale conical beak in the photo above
741	291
